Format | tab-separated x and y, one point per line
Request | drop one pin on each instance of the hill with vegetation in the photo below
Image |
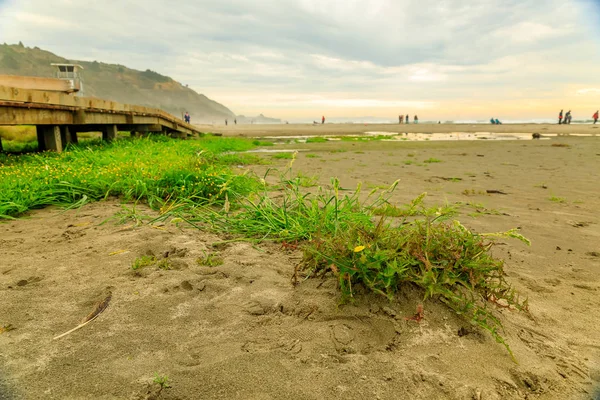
117	83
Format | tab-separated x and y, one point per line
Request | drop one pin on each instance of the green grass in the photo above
210	260
23	133
432	160
240	159
143	261
317	139
283	156
310	155
262	143
156	170
306	181
14	146
555	199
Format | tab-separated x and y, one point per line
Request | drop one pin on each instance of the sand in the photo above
353	129
241	330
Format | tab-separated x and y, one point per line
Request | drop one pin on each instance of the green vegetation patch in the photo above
317	139
284	156
341	235
155	170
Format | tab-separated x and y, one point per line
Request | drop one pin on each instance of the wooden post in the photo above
1	148
40	138
65	135
74	138
109	133
50	138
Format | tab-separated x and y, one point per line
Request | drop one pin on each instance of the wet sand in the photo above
353	129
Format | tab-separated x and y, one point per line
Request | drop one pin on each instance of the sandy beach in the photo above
353	129
241	330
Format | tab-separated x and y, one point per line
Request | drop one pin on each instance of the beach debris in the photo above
444	178
99	309
6	328
419	315
494	191
536	135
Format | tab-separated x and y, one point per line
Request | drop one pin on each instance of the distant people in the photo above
560	117
416	119
322	120
186	117
407	119
567	117
498	122
235	121
400	118
225	122
493	121
595	117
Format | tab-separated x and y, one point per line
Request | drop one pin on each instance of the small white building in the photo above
72	74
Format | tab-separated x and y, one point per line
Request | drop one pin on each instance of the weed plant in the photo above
412	245
283	156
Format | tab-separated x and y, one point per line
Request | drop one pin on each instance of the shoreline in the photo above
354	129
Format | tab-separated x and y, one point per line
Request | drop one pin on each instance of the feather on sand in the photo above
100	307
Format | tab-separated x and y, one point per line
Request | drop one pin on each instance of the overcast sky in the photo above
293	59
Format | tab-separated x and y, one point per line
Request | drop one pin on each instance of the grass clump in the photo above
143	261
284	156
240	159
432	160
210	260
262	143
342	235
310	155
162	381
317	139
556	199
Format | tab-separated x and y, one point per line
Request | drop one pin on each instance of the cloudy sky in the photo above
299	59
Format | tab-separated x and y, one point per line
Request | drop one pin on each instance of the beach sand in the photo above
353	129
242	331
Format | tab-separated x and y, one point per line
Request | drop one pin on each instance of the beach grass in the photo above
153	170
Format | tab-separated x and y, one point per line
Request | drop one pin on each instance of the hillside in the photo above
117	83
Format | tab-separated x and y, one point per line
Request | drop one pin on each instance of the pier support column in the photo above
49	138
109	133
65	135
1	148
40	138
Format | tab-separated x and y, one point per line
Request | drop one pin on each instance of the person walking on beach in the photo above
186	117
400	118
416	119
235	121
407	119
225	122
567	117
595	117
322	120
560	117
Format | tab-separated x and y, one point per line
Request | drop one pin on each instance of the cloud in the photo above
375	55
593	91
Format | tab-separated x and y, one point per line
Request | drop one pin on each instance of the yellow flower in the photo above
358	249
